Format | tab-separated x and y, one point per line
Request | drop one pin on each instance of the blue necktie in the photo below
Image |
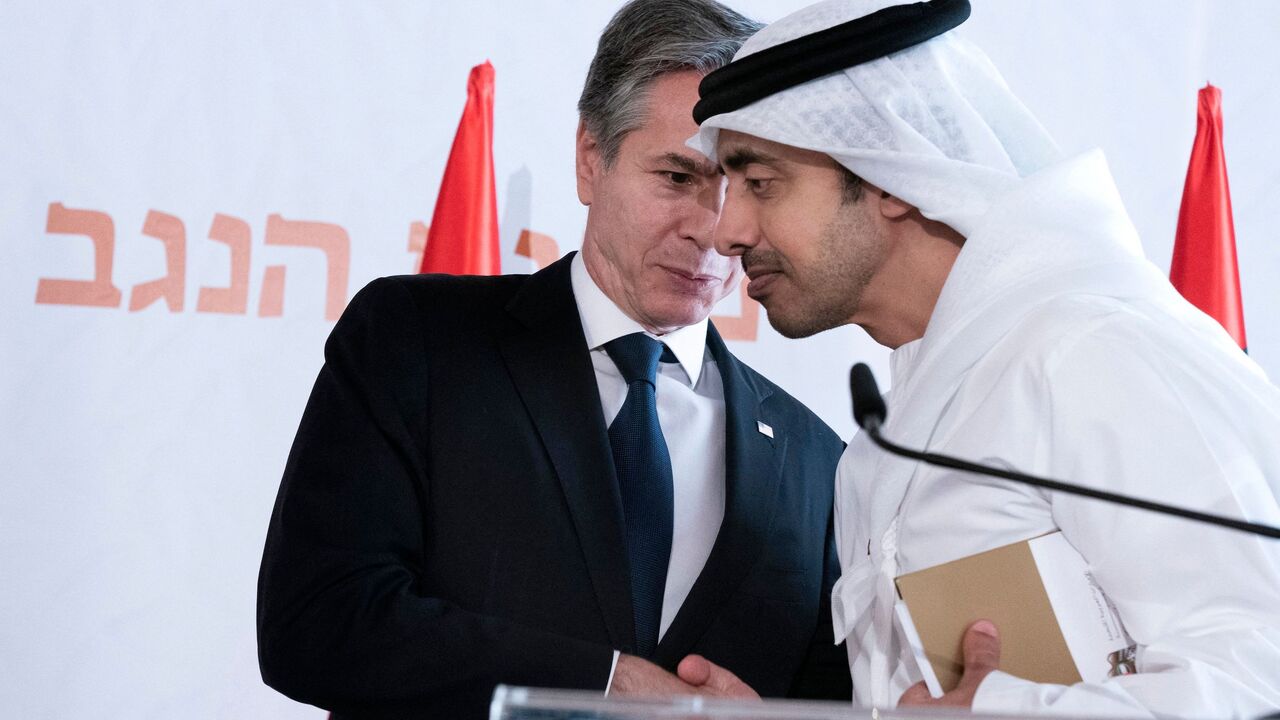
644	479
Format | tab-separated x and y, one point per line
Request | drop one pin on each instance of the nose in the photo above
738	230
699	216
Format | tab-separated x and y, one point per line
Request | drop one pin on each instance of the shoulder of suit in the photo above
434	295
434	306
799	417
458	287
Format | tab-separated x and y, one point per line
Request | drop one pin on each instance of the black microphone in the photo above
868	404
870	412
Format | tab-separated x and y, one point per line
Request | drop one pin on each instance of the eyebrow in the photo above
689	165
741	157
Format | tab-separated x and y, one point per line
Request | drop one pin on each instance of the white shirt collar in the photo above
603	321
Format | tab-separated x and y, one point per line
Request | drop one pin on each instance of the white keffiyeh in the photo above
934	124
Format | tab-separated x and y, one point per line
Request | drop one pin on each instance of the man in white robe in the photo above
1029	332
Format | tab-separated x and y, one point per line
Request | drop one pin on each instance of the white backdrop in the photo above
141	449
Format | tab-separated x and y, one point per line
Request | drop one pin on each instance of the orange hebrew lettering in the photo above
271	301
418	242
173	286
98	292
234	299
541	249
329	238
745	325
418	236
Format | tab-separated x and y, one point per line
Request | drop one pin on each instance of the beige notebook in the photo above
1056	625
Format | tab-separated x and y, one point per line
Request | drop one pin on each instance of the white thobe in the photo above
1055	349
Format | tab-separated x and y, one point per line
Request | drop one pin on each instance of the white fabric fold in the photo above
934	124
1044	300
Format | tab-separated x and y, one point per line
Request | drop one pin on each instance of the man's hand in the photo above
981	649
637	676
697	676
711	679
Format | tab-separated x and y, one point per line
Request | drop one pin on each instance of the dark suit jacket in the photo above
449	517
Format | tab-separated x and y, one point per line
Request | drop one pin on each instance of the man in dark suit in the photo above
563	479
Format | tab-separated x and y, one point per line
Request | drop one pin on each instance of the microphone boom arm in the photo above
872	428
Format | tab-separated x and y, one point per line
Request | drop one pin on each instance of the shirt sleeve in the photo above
612	669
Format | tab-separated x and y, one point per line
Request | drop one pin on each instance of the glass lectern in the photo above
517	703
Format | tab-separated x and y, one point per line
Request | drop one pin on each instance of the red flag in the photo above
1204	253
463	239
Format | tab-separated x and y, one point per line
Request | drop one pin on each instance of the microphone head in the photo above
867	402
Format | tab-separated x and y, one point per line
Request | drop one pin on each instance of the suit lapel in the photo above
546	354
753	469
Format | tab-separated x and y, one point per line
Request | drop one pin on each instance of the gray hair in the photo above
646	39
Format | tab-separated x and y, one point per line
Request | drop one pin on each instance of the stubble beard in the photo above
850	253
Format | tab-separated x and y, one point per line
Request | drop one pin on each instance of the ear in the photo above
893	207
587	161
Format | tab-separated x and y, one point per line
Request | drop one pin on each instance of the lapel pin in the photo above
764	429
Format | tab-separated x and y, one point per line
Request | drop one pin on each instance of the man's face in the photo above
648	243
809	250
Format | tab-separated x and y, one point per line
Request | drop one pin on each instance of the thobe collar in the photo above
901	361
602	321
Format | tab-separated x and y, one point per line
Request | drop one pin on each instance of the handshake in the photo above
695	675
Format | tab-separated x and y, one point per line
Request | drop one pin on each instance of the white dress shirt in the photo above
690	398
